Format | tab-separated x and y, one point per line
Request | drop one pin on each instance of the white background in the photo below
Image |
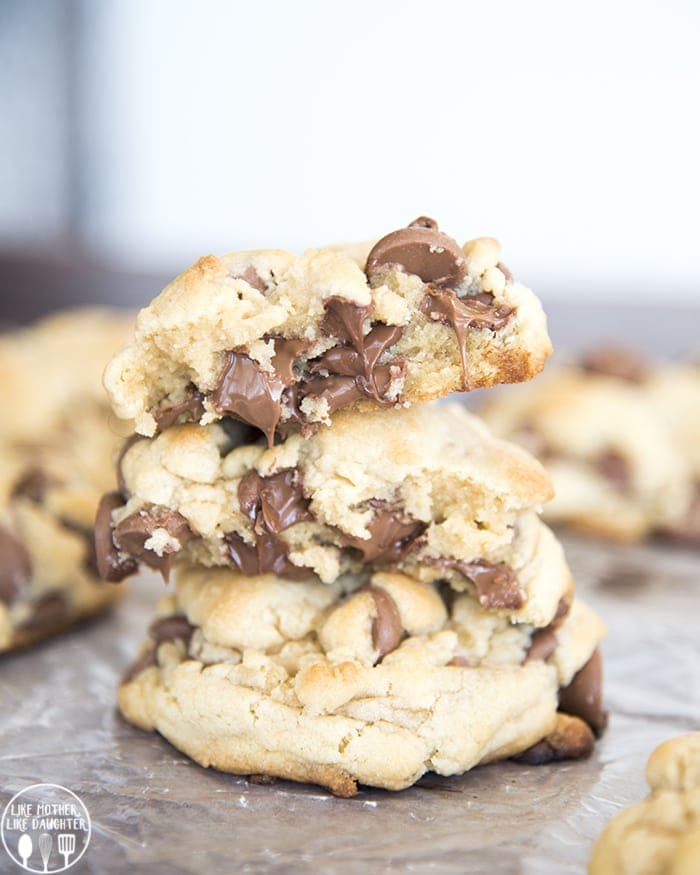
568	130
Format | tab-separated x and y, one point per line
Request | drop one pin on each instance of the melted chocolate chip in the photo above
269	555
542	644
478	311
496	583
420	249
345	320
192	409
613	361
110	565
506	273
33	484
253	278
146	660
387	629
132	533
15	567
170	628
571	739
392	535
612	465
583	697
273	503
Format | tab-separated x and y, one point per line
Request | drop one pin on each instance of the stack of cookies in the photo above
363	588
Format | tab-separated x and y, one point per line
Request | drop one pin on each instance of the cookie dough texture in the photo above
337	685
661	835
58	441
467	495
252	302
622	453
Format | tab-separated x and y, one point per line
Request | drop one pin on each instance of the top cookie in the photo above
281	342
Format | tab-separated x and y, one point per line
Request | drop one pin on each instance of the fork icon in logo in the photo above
66	845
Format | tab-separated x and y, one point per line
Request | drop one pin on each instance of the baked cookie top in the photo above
282	341
374	683
619	436
426	489
661	835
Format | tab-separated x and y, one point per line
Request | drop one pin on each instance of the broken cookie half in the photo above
281	342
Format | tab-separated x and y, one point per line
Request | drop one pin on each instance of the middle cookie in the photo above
425	490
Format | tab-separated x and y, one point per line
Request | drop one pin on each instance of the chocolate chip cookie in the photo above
426	490
282	342
366	681
661	835
619	435
58	443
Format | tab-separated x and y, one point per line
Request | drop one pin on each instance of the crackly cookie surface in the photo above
425	489
661	835
281	342
58	442
371	681
619	437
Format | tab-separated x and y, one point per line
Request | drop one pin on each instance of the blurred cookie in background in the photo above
620	437
58	441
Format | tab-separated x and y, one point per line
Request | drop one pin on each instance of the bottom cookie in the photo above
661	835
341	685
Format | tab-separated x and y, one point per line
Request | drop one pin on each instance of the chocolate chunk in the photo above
571	739
387	629
583	697
170	628
269	555
443	305
542	644
249	393
33	484
148	658
612	465
274	503
192	408
110	565
253	278
420	249
15	567
392	535
126	446
614	361
50	612
132	533
262	780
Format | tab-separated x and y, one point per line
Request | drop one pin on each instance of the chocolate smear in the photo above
131	534
542	644
170	628
110	565
614	361
506	273
273	503
192	408
15	567
392	535
269	555
478	311
253	278
387	629
148	658
583	697
420	249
